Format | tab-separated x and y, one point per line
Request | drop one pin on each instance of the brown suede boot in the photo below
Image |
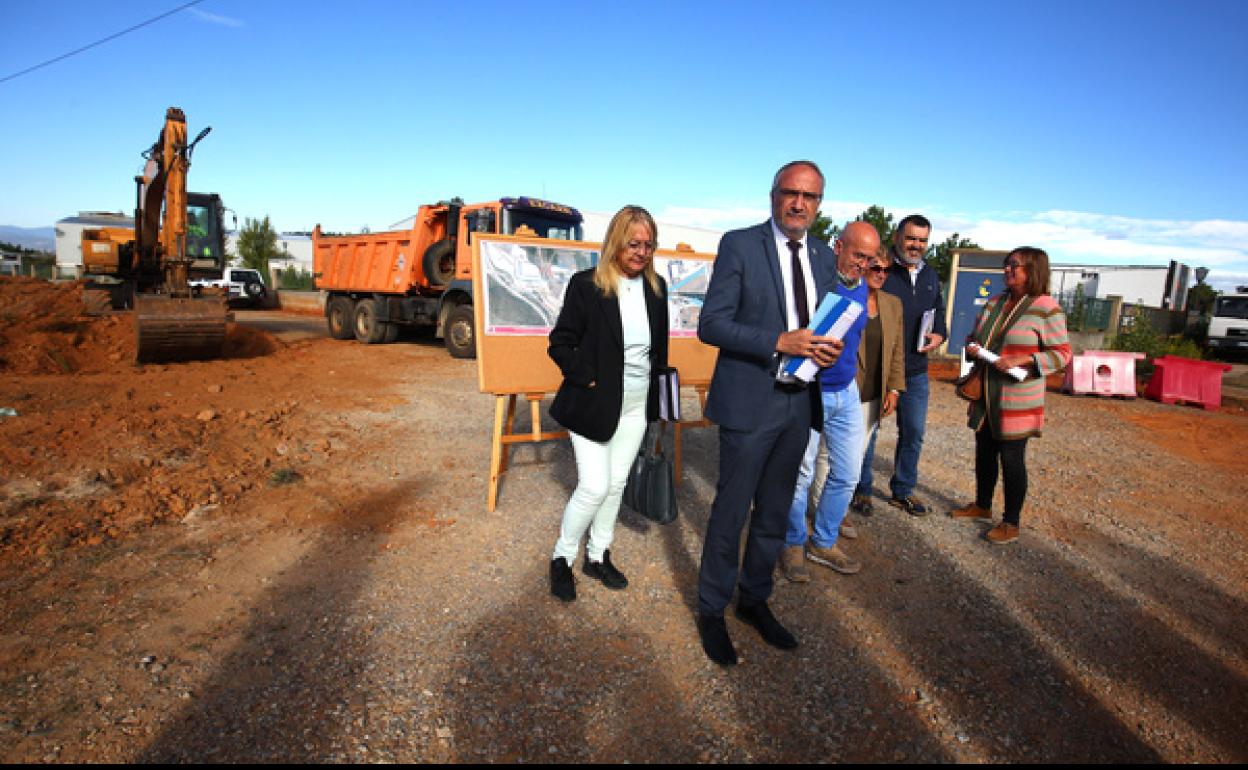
971	511
1002	533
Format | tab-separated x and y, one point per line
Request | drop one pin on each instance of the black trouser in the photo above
1013	460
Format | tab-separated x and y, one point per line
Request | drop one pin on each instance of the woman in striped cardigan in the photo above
1027	329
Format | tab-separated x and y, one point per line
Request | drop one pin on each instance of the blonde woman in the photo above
881	369
610	342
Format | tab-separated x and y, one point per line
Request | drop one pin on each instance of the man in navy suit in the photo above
767	282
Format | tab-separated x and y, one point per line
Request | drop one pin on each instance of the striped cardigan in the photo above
1012	409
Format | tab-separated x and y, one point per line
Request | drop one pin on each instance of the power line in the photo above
75	52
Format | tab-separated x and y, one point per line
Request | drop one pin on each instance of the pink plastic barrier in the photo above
1183	379
1103	372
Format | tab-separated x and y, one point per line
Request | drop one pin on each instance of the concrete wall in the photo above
302	301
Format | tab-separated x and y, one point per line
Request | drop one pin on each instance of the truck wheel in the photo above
461	336
439	263
340	316
369	329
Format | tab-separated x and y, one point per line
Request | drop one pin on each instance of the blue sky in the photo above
1106	132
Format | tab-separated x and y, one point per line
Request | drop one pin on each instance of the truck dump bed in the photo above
387	262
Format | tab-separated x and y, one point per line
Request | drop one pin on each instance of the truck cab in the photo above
1228	326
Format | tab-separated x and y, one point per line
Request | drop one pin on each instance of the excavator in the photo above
149	268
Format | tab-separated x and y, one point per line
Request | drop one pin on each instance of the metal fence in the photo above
1164	322
1086	314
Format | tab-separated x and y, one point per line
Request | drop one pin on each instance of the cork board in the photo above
518	286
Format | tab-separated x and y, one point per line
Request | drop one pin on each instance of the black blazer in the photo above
588	345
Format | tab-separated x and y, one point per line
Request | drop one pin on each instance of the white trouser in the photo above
870	421
601	473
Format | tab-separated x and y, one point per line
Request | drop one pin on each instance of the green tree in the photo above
824	229
1200	298
257	244
295	279
880	219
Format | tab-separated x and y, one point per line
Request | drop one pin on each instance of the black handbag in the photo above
651	488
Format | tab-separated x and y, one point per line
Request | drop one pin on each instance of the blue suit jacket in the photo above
745	311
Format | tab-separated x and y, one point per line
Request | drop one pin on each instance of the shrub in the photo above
1141	337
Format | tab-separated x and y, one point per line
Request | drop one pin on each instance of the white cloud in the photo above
213	18
725	218
1068	236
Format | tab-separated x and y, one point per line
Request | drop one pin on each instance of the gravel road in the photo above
375	611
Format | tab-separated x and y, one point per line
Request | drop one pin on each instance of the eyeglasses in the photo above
1012	264
642	247
878	269
806	197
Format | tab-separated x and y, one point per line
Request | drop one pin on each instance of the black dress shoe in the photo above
759	615
605	571
715	641
562	583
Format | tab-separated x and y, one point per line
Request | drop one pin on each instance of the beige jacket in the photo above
892	349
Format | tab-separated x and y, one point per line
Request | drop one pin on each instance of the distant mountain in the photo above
39	238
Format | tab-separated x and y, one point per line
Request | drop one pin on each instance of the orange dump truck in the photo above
378	282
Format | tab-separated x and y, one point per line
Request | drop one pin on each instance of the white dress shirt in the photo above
786	274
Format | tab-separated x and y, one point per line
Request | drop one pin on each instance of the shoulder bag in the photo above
651	488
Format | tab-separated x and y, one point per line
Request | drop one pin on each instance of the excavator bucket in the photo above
179	329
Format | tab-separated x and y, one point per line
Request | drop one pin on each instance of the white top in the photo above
636	325
786	273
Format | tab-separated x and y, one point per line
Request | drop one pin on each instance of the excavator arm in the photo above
171	324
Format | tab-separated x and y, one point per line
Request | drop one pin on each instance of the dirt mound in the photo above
45	329
246	342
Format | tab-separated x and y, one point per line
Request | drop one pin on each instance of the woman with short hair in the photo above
1026	328
881	369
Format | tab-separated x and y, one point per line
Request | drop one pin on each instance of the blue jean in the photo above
911	425
842	437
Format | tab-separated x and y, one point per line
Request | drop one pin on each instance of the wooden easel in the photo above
682	425
505	434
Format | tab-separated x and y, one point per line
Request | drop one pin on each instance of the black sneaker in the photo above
909	505
562	583
605	571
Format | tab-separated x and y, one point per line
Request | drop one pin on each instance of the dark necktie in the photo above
799	287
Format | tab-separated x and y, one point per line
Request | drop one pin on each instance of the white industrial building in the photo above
1149	285
701	239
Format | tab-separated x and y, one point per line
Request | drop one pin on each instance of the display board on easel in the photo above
519	283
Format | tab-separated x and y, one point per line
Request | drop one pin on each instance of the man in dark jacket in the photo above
917	285
767	281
